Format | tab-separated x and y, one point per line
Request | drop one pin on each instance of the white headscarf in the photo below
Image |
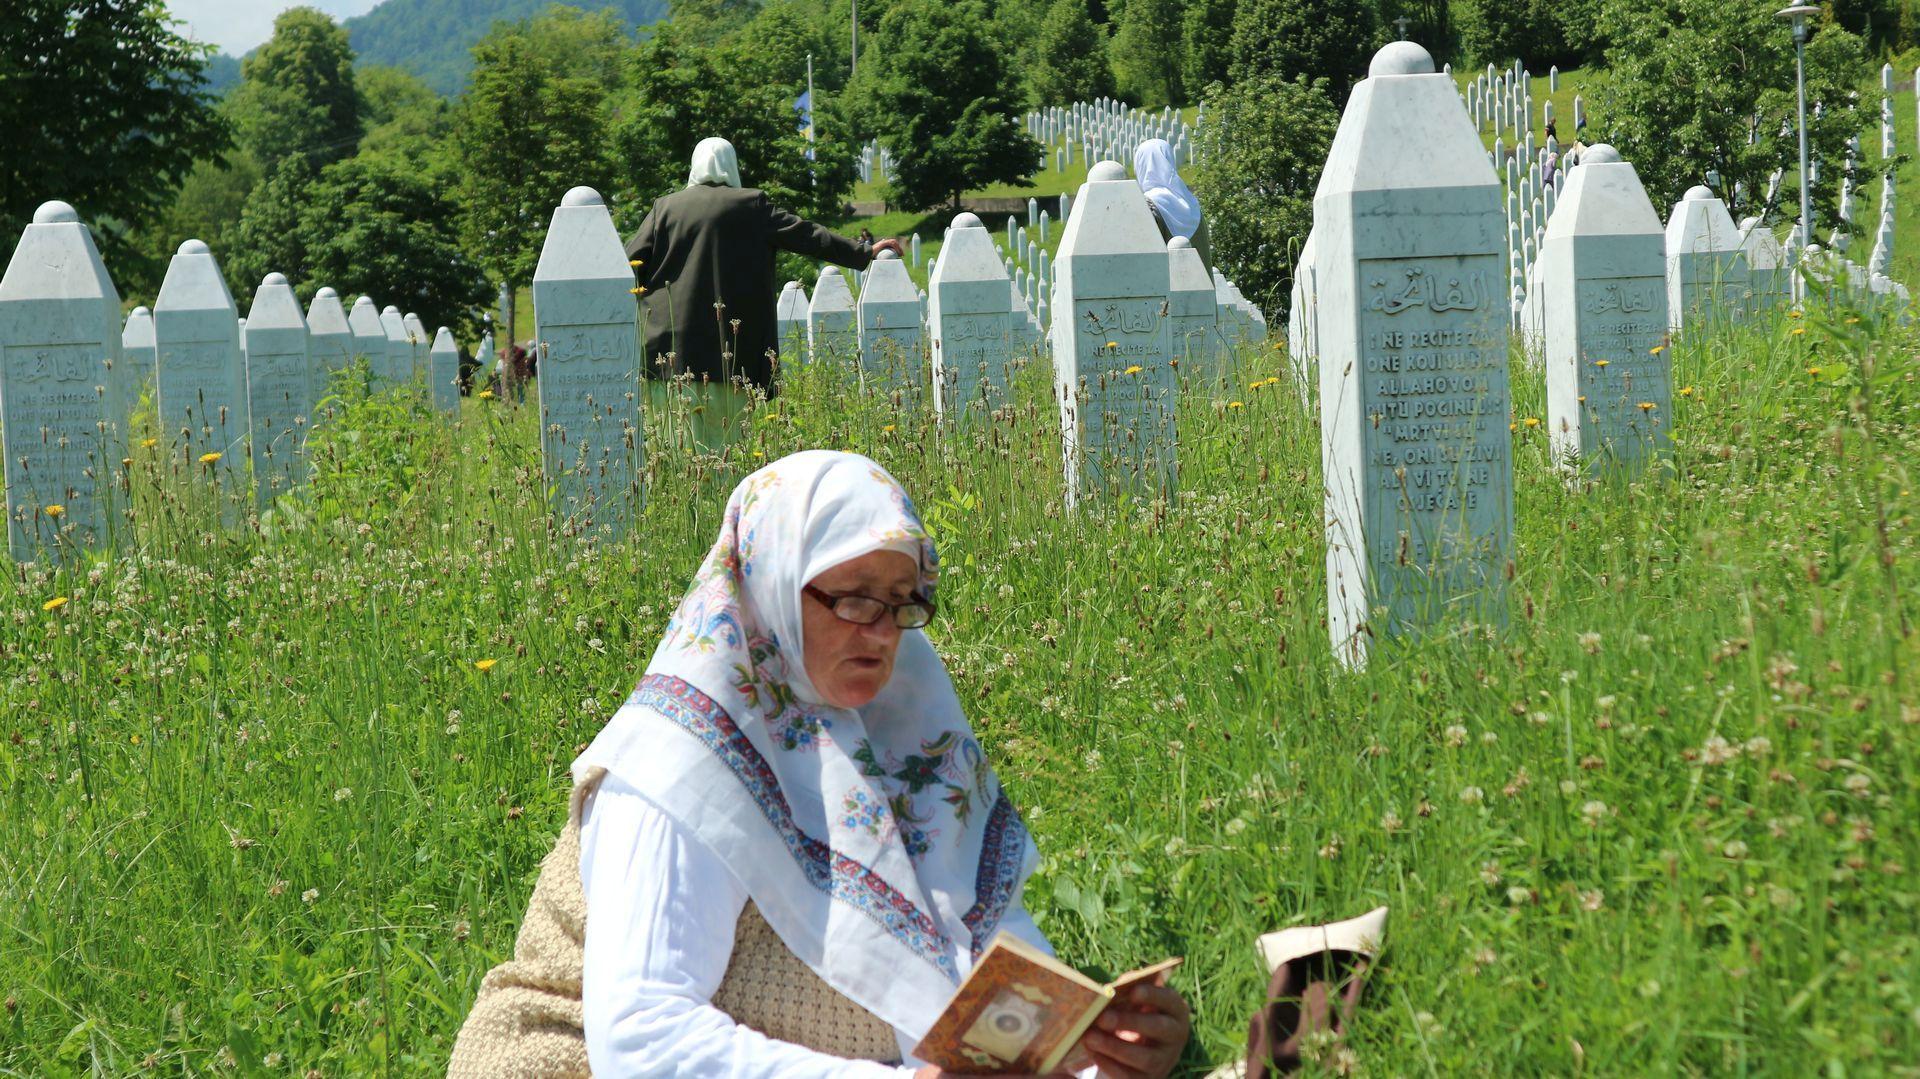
1154	170
876	841
714	162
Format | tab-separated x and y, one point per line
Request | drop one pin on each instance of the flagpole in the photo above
812	181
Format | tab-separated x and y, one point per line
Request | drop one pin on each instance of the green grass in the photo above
260	811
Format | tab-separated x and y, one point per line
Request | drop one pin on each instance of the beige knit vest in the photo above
526	1022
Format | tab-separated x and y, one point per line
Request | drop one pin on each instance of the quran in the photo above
1022	1011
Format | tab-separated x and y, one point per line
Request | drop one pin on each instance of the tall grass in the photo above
272	797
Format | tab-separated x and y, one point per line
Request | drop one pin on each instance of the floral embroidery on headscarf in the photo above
797	726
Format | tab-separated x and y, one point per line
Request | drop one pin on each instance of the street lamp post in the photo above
1798	14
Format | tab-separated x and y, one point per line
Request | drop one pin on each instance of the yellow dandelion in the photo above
1854	320
1686	391
149	443
1646	406
639	291
54	511
1798	330
54	604
1795	313
1814	371
486	395
888	429
635	263
1134	369
1113	344
1531	421
1271	380
1601	363
1513	427
1236	404
1255	384
209	458
1656	350
484	665
134	738
1582	398
759	453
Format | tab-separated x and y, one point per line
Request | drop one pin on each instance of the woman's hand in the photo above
1141	1036
889	244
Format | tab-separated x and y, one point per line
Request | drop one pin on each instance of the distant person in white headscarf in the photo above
1174	204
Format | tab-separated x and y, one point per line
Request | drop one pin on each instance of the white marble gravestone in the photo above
588	327
369	337
61	394
329	347
889	310
970	317
1770	278
444	372
280	388
1707	275
137	353
399	368
830	319
1113	375
422	343
1609	376
790	318
1303	343
1410	238
1193	315
201	379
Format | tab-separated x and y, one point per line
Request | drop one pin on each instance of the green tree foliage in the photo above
1149	52
1430	22
1069	59
103	108
936	90
1693	81
683	93
1207	28
1330	39
528	130
207	206
434	38
369	224
785	32
708	22
1261	150
1540	33
296	94
406	119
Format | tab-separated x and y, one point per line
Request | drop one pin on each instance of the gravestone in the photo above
369	337
399	368
422	345
62	388
1609	381
889	309
1410	239
1193	316
280	389
588	327
970	318
790	319
1769	276
201	379
444	380
1302	323
1113	377
329	347
1707	275
831	334
137	354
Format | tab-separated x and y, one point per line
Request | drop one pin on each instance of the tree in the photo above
1148	51
269	236
528	131
1318	39
104	108
1541	33
1261	150
1705	86
296	94
404	118
935	88
1070	57
1207	29
706	22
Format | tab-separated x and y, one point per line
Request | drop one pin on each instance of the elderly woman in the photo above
1174	205
786	850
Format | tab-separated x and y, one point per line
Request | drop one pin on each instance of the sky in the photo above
238	25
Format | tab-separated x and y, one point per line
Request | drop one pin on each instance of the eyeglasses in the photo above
865	610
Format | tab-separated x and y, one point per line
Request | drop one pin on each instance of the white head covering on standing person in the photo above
714	162
875	841
1154	170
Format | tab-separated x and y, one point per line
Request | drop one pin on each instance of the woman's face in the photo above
850	664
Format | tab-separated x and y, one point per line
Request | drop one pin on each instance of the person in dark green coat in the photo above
704	257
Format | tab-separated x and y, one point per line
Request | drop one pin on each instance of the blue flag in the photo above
804	106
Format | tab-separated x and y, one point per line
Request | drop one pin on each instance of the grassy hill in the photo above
432	38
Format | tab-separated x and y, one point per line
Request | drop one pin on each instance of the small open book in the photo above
1022	1011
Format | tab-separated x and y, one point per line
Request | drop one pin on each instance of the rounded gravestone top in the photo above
1748	222
1401	58
142	312
195	247
583	196
889	254
1602	154
364	301
326	293
1105	171
968	221
790	286
1814	249
55	213
1698	193
390	310
275	280
1179	243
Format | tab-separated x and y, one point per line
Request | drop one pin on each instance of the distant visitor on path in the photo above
786	849
1175	207
705	257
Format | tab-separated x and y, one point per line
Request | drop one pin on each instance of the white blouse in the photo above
662	909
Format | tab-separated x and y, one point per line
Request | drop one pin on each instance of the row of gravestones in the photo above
1104	128
230	397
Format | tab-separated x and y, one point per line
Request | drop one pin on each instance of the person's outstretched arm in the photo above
794	233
